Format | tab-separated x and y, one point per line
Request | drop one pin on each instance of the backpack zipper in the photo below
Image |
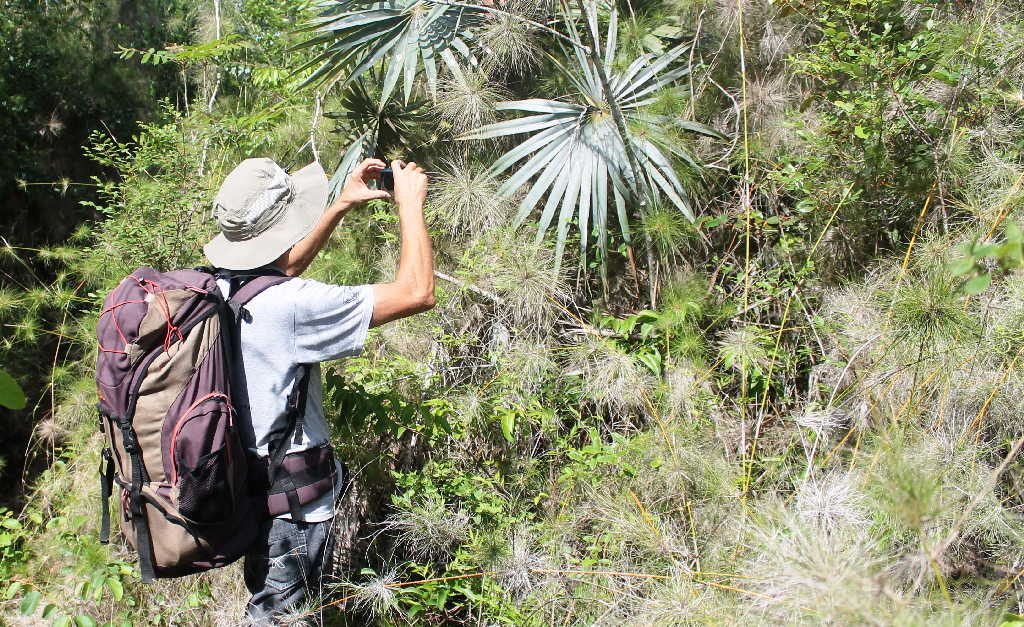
181	423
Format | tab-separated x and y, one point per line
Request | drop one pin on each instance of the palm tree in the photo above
575	155
357	34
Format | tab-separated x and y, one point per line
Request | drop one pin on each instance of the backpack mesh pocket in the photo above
204	494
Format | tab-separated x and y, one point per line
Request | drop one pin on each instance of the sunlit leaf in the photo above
574	153
11	395
29	602
355	35
978	284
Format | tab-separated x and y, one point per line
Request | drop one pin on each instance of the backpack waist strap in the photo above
303	477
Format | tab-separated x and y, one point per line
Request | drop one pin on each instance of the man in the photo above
271	221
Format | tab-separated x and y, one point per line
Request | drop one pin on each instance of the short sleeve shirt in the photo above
296	322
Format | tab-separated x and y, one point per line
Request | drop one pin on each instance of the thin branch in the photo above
468	286
213	93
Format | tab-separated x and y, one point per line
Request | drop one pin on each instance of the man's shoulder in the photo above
310	291
296	286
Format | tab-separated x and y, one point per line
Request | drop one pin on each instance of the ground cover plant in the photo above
774	377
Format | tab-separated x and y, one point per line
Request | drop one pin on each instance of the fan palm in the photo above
575	155
405	32
370	128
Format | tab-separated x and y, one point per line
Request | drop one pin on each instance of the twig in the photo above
469	286
213	93
312	127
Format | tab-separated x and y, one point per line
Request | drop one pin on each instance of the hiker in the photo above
271	221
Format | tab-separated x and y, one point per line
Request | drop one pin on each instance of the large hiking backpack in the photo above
192	498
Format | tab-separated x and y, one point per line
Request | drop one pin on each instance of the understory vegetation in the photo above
730	316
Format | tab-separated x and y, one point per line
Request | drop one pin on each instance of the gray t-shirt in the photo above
296	322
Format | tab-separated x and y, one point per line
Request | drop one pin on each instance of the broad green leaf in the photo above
29	602
116	587
1013	232
962	266
508	425
83	620
978	284
11	395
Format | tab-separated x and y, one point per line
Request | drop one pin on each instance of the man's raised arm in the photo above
356	191
412	291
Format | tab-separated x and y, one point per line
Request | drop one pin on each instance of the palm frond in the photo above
389	129
574	154
356	35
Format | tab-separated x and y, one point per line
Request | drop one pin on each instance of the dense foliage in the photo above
778	380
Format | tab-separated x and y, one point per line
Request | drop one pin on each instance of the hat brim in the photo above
301	215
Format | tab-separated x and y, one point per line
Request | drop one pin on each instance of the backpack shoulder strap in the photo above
295	411
247	284
244	287
254	286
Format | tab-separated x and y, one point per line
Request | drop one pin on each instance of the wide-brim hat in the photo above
263	211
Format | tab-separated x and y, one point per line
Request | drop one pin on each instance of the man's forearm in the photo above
416	258
297	259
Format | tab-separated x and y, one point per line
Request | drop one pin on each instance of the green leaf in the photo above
399	33
11	395
859	131
29	603
1013	233
962	266
96	583
116	587
83	620
49	610
574	153
978	284
1012	620
508	425
986	250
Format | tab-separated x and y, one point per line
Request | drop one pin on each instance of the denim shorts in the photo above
284	570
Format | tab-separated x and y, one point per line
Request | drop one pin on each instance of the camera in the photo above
387	180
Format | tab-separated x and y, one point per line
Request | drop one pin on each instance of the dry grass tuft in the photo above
466	101
428	530
376	596
465	200
612	377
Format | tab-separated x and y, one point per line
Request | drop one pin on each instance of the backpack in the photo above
191	496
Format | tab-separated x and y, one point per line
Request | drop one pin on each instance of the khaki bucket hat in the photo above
263	211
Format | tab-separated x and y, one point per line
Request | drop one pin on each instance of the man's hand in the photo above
410	185
357	189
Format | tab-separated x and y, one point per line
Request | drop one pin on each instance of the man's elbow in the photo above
425	299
